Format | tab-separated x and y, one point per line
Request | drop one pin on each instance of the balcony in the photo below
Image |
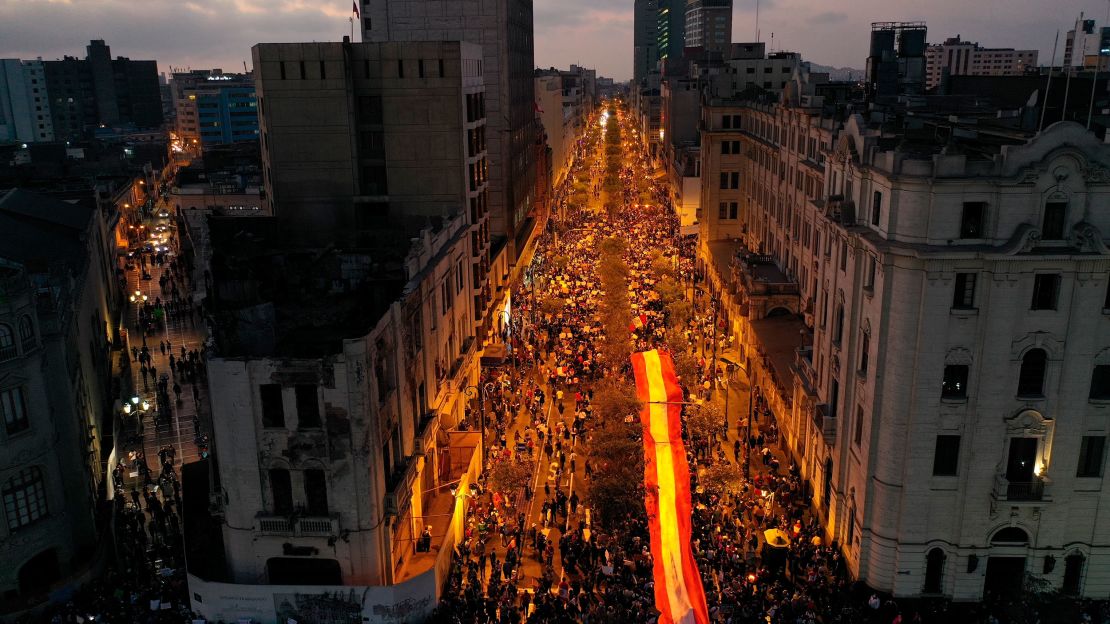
297	526
1021	491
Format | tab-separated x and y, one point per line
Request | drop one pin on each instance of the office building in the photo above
100	91
214	108
58	316
896	63
645	46
709	24
956	57
504	30
24	104
670	35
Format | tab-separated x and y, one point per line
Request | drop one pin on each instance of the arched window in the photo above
26	332
24	498
1031	377
1073	573
1010	535
7	343
934	571
281	491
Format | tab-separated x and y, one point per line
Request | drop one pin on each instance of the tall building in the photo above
102	91
504	30
645	46
956	57
1087	45
709	24
353	385
57	317
214	108
670	34
896	63
24	104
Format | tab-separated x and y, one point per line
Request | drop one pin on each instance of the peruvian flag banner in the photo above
679	595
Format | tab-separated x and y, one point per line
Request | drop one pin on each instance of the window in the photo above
374	180
1031	377
273	410
857	435
281	491
420	68
371	143
323	72
971	224
441	68
1073	574
722	211
1100	382
934	571
308	407
281	67
366	23
954	385
946	460
724	179
370	109
14	407
1052	227
876	207
1046	288
871	268
400	68
7	343
844	256
864	352
24	498
1091	451
315	492
963	298
302	70
834	398
838	329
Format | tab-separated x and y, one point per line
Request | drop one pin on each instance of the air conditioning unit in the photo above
390	504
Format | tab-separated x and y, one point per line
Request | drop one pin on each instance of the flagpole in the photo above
352	21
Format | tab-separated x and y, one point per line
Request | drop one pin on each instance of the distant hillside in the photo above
837	73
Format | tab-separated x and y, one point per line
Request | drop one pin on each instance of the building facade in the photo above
503	29
1087	45
101	91
955	57
24	103
709	24
214	108
359	434
355	132
57	319
645	46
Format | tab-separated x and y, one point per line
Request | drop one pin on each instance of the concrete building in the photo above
1087	46
645	45
102	91
563	117
503	28
24	104
955	57
57	319
351	132
214	108
709	24
354	397
896	61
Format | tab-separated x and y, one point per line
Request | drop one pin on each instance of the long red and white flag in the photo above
679	595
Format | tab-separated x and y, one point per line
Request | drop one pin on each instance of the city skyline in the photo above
210	33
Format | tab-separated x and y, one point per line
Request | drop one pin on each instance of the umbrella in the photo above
776	538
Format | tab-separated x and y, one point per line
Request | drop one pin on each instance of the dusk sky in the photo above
594	33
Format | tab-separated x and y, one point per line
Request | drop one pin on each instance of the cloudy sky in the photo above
598	33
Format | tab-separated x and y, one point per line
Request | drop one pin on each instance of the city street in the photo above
556	550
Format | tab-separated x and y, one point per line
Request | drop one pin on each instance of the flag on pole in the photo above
638	322
679	593
354	9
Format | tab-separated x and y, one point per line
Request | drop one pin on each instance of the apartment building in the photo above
708	24
214	108
24	104
956	57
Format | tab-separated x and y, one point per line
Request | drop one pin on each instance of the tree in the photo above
721	478
552	304
705	420
509	476
616	455
685	367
